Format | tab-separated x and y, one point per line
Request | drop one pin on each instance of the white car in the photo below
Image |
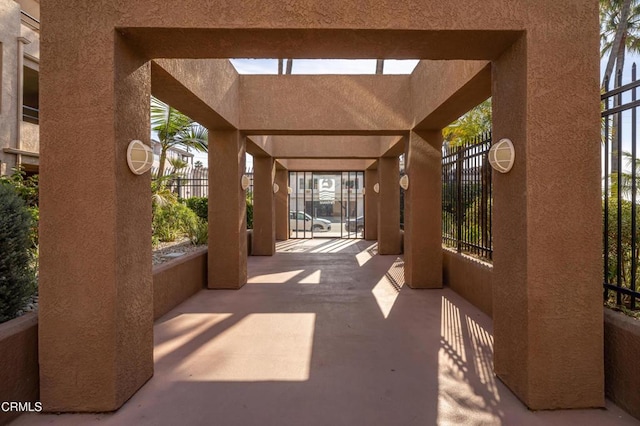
300	221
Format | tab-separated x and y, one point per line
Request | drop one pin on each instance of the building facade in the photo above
19	79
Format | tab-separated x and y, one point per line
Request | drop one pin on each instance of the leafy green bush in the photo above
27	189
200	206
249	214
199	233
171	220
17	277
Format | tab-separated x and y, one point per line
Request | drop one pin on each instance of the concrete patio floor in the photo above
325	333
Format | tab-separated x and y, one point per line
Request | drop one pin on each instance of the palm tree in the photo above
174	129
619	32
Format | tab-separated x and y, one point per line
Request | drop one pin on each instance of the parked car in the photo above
355	224
300	221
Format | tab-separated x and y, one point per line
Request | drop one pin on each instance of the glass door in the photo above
326	205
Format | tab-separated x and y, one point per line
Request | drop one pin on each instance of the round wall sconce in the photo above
244	182
502	155
289	190
376	188
276	188
404	182
139	157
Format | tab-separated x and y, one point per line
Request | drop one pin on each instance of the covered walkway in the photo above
325	332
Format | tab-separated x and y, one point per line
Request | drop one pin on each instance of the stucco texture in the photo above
95	266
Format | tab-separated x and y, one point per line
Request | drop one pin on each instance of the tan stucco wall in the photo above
541	249
30	135
177	280
622	369
32	49
18	362
271	104
460	86
469	277
188	85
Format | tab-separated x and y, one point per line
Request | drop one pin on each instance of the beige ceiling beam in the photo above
340	146
444	90
206	90
322	165
322	104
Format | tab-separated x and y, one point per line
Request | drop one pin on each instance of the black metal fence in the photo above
467	197
620	171
186	183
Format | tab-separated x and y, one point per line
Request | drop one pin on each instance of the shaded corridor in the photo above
325	332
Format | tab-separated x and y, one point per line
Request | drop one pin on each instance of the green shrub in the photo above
27	189
17	277
171	220
200	206
249	214
199	233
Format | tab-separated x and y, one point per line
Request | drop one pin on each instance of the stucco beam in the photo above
339	146
259	146
434	40
324	104
319	165
444	90
205	90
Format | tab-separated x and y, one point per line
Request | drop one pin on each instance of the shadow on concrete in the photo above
326	338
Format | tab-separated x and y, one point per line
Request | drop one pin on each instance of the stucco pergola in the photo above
537	59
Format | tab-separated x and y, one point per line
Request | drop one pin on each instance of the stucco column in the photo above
227	210
547	221
370	205
389	241
264	208
423	210
282	205
96	298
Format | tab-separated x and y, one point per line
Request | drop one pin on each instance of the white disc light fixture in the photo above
404	182
376	188
276	188
245	182
502	155
139	157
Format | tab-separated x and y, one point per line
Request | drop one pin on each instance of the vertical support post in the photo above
264	219
542	248
370	205
389	240
423	210
227	210
96	298
282	205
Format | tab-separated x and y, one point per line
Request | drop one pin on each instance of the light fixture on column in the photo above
244	182
139	157
289	190
276	187
376	188
404	182
364	191
502	155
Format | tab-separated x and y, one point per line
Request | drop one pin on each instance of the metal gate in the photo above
326	205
